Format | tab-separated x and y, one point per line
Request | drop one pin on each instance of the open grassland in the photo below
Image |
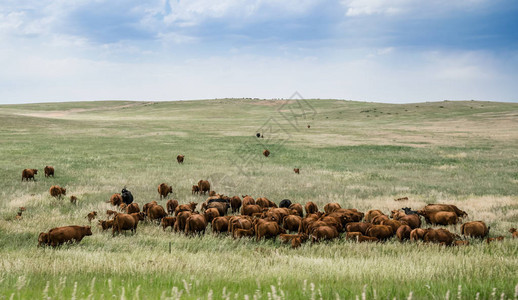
361	155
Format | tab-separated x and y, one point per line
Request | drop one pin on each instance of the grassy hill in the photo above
358	154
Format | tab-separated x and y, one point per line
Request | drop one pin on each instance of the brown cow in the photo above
180	158
28	174
461	243
171	205
240	222
371	214
196	223
148	206
414	221
235	203
156	212
498	238
377	220
296	170
204	186
127	222
441	218
247	200
49	171
266	153
476	229
181	220
105	225
222	207
168	221
195	190
91	216
185	207
324	233
403	233
268	230
248	210
439	236
239	233
116	199
358	227
132	208
298	208
364	238
211	214
392	223
60	235
73	199
417	234
381	232
514	233
263	202
43	239
164	190
220	224
57	191
331	207
212	193
432	208
310	208
353	235
286	238
292	223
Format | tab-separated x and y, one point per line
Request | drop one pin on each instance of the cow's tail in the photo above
462	228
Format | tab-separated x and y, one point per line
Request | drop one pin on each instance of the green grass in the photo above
361	155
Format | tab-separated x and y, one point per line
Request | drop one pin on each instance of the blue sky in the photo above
369	50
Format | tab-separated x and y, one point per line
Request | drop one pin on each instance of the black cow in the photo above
285	203
258	134
409	211
127	197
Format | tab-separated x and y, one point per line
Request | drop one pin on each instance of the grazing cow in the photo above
258	135
309	126
414	221
392	223
239	222
235	203
247	200
364	238
116	199
297	208
296	242
220	224
164	190
432	208
377	220
168	221
371	214
196	223
401	199
195	189
73	199
61	235
403	232
381	232
439	236
180	158
212	193
296	170
461	243
441	218
476	229
132	208
417	234
123	206
358	227
204	186
324	233
148	206
91	216
222	207
286	203
127	197
156	212
57	191
105	225
331	207
239	233
251	209
185	207
409	211
353	235
263	202
181	220
211	214
310	208
27	174
43	239
291	223
171	205
266	153
127	222
514	233
49	171
268	230
498	238
286	238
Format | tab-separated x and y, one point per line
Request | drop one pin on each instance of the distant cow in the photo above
211	213
296	170
409	211
514	233
132	208
73	199
127	197
268	230
439	236
220	224
235	203
358	227
91	216
381	232
168	221
441	217
195	190
164	190
180	158
258	135
291	223
49	171
171	206
297	209
28	174
156	212
126	222
417	234
203	186
331	207
285	203
477	229
310	208
196	223
106	224
498	238
403	233
432	208
371	214
57	191
60	235
43	239
185	207
324	233
266	153
116	199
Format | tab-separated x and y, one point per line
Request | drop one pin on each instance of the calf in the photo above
28	174
49	171
514	233
91	216
57	191
180	158
168	221
235	203
164	190
498	238
105	225
43	239
239	233
296	170
73	199
171	206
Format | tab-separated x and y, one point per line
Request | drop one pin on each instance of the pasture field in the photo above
361	155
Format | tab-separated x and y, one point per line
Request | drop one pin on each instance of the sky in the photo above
396	51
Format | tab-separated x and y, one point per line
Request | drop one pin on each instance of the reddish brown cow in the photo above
292	223
392	223
414	221
73	199
185	207
239	233
105	225
168	221
441	218
220	224
353	235
371	214
180	158
132	208
43	239
116	199
297	208
91	216
296	170
324	233
28	174
477	229
268	230
358	227
266	153
181	220
310	208
204	186
433	208
247	200
514	233
381	232
57	191
239	222
195	190
417	234
124	222
251	209
148	206
364	238
196	223
171	205
235	203
461	243
60	235
439	236
49	171
211	214
156	212
164	189
403	233
331	207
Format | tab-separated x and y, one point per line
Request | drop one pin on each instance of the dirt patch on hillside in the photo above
63	113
